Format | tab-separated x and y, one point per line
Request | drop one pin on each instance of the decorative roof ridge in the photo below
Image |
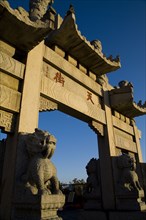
121	98
17	21
22	15
142	107
69	25
92	46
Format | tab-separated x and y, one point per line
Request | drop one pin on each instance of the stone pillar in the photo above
27	121
106	152
31	90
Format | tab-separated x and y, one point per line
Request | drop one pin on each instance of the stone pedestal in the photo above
36	207
102	215
134	215
131	201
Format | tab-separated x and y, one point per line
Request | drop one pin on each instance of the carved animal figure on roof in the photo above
128	177
124	83
41	177
38	8
97	45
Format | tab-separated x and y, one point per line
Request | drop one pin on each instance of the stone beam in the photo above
75	97
63	65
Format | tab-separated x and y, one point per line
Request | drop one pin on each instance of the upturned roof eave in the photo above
121	100
18	30
69	38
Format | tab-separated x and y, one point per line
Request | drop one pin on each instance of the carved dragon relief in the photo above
121	98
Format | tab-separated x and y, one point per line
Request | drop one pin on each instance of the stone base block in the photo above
43	207
92	215
92	205
82	215
137	215
131	202
101	215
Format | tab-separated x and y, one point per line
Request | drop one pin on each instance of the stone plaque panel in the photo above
59	62
64	90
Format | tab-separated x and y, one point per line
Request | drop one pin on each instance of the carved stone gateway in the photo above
54	67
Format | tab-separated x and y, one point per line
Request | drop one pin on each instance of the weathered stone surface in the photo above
92	193
40	175
125	143
70	39
122	101
38	8
9	99
18	24
128	187
58	51
97	127
36	208
6	48
37	193
122	125
51	57
47	105
9	81
31	85
7	121
72	60
73	95
11	65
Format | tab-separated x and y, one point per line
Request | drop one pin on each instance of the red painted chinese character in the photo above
58	78
89	97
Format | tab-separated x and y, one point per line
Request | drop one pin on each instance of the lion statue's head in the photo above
41	142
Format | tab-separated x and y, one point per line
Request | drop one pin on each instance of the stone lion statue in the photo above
92	192
128	176
41	177
92	183
38	8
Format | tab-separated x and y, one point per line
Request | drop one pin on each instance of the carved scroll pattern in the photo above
9	98
97	127
7	121
12	66
46	104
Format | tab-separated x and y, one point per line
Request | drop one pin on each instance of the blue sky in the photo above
121	27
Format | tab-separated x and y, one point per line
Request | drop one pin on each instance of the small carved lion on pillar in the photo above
41	177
